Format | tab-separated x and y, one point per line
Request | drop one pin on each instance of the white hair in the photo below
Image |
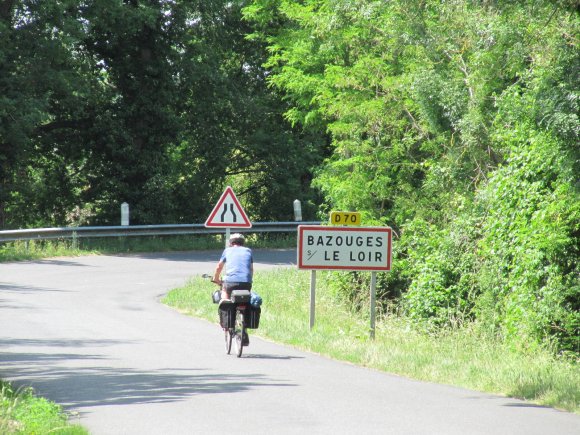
237	239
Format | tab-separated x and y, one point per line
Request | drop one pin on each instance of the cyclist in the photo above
239	264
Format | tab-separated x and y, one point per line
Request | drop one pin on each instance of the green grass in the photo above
31	250
464	357
21	412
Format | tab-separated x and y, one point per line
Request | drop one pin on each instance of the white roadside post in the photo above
124	214
297	210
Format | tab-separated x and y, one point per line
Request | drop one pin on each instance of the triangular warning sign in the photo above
228	212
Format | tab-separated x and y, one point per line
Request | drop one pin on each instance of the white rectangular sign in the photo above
344	248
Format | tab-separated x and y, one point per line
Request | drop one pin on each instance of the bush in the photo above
441	268
530	242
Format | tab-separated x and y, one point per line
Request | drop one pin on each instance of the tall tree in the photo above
138	62
40	76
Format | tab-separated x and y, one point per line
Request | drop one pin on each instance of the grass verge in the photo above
35	249
21	412
464	357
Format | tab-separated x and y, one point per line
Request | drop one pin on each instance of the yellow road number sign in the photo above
345	218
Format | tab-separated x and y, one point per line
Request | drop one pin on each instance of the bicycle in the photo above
236	316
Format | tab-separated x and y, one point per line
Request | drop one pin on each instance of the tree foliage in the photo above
457	124
151	102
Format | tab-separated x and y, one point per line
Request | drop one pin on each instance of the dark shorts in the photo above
229	286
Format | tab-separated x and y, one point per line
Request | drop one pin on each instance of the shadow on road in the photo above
67	379
518	404
22	289
525	405
54	262
99	386
59	343
26	289
262	356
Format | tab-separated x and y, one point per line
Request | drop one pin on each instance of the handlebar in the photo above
206	276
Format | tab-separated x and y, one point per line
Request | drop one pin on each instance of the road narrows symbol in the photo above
232	211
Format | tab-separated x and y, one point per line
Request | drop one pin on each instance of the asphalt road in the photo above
91	334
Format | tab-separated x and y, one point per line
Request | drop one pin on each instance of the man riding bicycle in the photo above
239	267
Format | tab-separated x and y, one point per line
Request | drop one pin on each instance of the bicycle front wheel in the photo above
228	335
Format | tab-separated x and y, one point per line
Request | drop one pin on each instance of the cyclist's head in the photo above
237	239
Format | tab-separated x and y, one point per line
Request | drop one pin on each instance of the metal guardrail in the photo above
142	230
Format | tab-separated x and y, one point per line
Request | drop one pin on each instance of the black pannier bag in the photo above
227	313
253	317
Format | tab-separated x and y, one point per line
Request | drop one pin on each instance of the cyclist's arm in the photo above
218	271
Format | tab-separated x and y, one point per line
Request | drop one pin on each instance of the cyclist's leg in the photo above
227	290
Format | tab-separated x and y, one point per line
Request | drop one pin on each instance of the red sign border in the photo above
228	191
387	230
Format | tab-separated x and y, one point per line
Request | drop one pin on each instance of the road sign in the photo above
345	218
344	248
228	212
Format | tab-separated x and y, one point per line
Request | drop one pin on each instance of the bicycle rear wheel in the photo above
239	334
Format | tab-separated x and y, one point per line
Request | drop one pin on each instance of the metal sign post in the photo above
312	297
227	241
373	302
